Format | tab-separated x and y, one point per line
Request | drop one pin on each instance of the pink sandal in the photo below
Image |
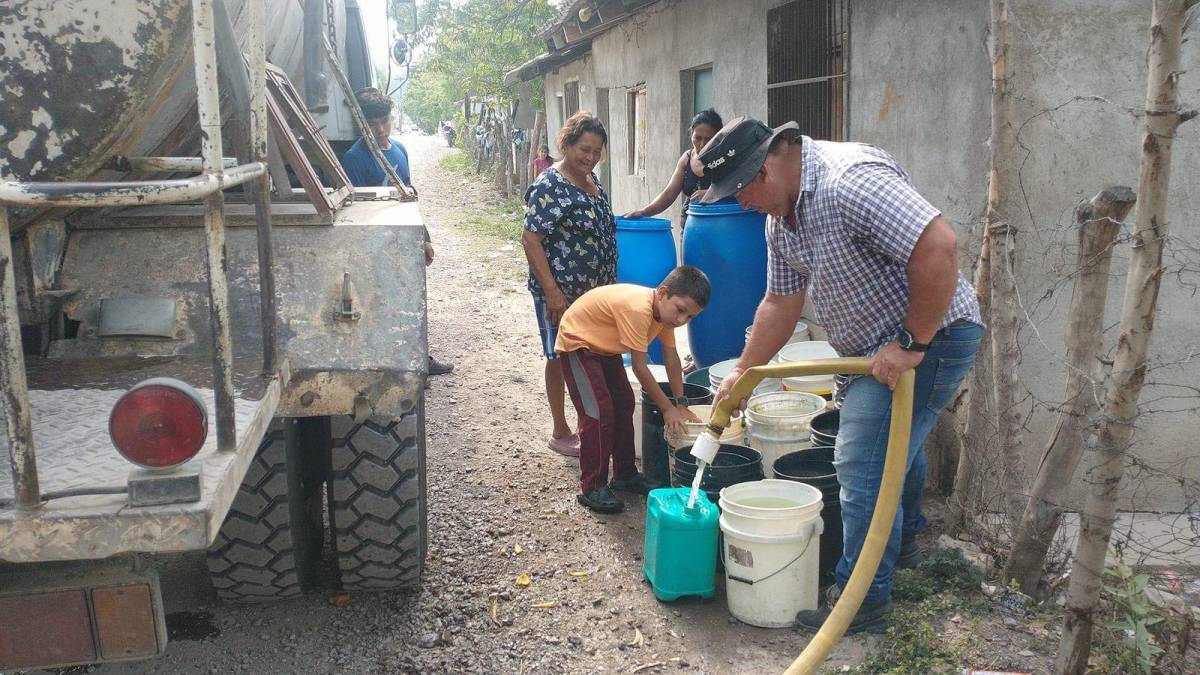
568	446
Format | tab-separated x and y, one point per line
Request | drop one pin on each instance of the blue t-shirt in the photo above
364	171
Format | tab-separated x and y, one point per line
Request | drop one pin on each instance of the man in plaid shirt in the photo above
848	231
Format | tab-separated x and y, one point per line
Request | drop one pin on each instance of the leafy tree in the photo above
467	48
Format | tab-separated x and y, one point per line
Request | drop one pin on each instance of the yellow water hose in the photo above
885	505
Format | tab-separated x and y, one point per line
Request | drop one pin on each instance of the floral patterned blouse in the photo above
580	234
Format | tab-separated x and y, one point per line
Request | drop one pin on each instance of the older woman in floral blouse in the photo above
570	240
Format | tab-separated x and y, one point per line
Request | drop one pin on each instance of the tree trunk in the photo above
1099	221
1006	352
978	428
1137	324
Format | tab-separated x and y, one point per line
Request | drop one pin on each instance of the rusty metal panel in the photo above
125	624
102	526
27	620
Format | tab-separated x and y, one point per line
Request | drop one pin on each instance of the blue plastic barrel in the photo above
728	244
645	256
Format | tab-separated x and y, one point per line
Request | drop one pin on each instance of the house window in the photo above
806	66
562	110
570	99
702	90
637	131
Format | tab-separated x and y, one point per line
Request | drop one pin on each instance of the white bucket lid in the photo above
767	386
809	350
783	405
717	372
813	385
806	499
801	329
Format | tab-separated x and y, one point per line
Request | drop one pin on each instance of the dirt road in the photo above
495	489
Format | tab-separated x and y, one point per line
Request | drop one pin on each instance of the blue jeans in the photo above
862	444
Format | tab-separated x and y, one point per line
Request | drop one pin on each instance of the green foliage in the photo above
467	48
945	583
912	647
1134	615
457	162
428	100
497	220
943	570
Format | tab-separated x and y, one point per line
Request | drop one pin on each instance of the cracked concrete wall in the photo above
920	87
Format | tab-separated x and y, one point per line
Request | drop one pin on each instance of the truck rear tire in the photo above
269	546
377	508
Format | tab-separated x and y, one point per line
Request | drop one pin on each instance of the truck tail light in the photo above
159	423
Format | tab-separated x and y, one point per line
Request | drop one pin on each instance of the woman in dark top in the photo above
570	241
685	181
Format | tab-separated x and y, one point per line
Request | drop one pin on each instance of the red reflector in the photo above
158	424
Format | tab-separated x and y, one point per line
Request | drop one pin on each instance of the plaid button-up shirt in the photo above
857	221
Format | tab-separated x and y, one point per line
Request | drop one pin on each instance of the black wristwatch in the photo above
908	343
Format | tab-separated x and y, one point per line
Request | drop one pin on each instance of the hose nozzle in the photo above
707	444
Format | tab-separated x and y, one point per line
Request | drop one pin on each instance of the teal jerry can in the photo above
680	553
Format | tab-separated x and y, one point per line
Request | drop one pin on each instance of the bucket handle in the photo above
750	582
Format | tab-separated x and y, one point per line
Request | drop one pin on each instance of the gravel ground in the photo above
501	505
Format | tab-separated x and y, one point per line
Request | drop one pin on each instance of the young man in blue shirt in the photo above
358	161
364	171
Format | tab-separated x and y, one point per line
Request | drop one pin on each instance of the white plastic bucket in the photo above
660	375
719	371
800	334
734	433
777	424
811	350
771	550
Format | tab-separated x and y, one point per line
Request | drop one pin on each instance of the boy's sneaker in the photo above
601	500
636	483
871	617
910	552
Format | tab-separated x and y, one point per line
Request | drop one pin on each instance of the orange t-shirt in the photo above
611	320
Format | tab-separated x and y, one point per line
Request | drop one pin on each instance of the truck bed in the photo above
71	401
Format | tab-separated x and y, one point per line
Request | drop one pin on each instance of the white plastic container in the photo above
777	424
812	350
800	334
734	433
771	550
720	370
660	375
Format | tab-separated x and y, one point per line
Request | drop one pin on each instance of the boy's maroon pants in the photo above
604	400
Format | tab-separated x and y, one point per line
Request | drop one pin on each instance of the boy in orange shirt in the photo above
595	331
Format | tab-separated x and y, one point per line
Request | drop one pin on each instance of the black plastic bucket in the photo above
733	464
814	466
824	428
655	453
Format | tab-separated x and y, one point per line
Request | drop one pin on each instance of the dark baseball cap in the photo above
733	157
